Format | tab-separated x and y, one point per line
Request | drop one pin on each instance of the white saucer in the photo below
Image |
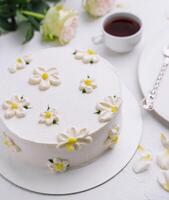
88	177
149	67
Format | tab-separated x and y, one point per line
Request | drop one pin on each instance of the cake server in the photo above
148	101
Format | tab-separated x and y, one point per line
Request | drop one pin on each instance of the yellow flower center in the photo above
19	60
114	109
88	82
48	115
14	106
70	144
59	167
115	139
91	52
45	76
72	140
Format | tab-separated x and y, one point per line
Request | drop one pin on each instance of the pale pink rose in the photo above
69	30
98	8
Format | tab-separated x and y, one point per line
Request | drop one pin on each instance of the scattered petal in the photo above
163	180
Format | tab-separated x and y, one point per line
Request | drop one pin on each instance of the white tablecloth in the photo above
127	185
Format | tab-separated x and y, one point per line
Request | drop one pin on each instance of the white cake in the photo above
59	108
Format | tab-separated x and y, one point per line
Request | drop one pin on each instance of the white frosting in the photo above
144	161
163	180
16	106
87	85
58	165
163	157
75	110
49	117
45	78
107	108
73	139
88	56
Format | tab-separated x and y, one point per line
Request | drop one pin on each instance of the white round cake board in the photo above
149	66
87	177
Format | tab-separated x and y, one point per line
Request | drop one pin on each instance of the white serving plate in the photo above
149	66
85	178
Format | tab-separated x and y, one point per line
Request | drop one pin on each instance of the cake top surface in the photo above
70	96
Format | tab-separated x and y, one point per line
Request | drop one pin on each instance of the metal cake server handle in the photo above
148	101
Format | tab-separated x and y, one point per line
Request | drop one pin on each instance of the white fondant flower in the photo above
58	165
163	180
49	117
73	139
60	23
87	85
144	161
10	143
107	108
45	78
98	8
87	57
16	106
113	137
27	58
163	157
20	63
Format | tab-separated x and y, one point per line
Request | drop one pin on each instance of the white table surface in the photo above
127	185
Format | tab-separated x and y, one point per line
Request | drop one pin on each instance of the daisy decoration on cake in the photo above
74	139
45	78
87	85
88	56
16	106
107	108
49	117
58	165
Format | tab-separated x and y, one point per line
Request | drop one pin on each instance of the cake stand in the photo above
85	178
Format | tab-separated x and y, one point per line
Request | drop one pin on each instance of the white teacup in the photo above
119	44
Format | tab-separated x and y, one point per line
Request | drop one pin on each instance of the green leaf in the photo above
8	26
34	22
29	33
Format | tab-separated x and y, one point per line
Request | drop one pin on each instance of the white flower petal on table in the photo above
163	180
144	161
86	59
164	141
105	116
163	160
141	165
